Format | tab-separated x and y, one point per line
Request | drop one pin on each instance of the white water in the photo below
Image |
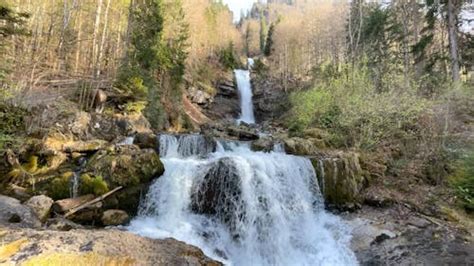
268	210
245	91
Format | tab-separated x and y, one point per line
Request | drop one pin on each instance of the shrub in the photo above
354	113
463	180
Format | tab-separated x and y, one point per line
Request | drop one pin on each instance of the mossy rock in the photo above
93	185
126	166
340	178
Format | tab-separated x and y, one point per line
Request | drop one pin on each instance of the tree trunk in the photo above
453	41
100	52
95	33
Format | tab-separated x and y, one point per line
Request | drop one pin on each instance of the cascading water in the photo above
245	90
242	207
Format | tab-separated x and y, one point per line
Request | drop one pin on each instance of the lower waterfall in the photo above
242	207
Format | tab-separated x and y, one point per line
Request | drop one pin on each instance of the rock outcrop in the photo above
341	179
94	247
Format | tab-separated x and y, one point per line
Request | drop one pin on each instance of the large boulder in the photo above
125	166
219	193
13	213
95	247
341	179
41	206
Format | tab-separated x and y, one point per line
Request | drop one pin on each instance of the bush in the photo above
463	180
132	82
354	113
227	57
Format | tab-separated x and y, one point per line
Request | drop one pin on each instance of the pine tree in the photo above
269	43
263	31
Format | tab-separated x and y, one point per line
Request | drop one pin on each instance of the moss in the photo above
93	185
90	258
135	107
60	186
12	248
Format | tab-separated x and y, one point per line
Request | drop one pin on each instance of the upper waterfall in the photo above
245	90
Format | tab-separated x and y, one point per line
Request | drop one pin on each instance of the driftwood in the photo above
89	203
64	205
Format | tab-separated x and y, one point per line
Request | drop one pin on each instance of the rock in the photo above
64	205
62	224
17	192
303	147
263	144
218	193
41	205
96	247
125	166
340	179
115	217
146	141
198	96
12	211
55	145
243	132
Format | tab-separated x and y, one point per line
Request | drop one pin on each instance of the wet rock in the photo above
13	212
340	179
263	144
115	217
41	206
219	192
242	132
146	141
62	224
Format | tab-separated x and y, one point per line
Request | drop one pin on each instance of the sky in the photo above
238	5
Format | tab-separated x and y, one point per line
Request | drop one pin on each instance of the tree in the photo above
453	39
269	43
263	31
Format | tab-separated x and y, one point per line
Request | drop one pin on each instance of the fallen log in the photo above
89	203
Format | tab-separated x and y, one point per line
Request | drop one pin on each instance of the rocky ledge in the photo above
93	247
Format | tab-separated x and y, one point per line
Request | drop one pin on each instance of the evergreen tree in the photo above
269	43
263	31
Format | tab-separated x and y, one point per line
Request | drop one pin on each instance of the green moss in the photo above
93	185
135	107
60	186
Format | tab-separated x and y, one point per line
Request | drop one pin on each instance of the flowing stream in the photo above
239	206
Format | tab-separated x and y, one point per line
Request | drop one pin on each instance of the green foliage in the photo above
135	107
463	180
93	185
227	57
60	187
351	110
11	123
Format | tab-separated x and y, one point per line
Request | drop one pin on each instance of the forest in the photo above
227	128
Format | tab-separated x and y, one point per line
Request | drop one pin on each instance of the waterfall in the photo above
242	207
245	91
